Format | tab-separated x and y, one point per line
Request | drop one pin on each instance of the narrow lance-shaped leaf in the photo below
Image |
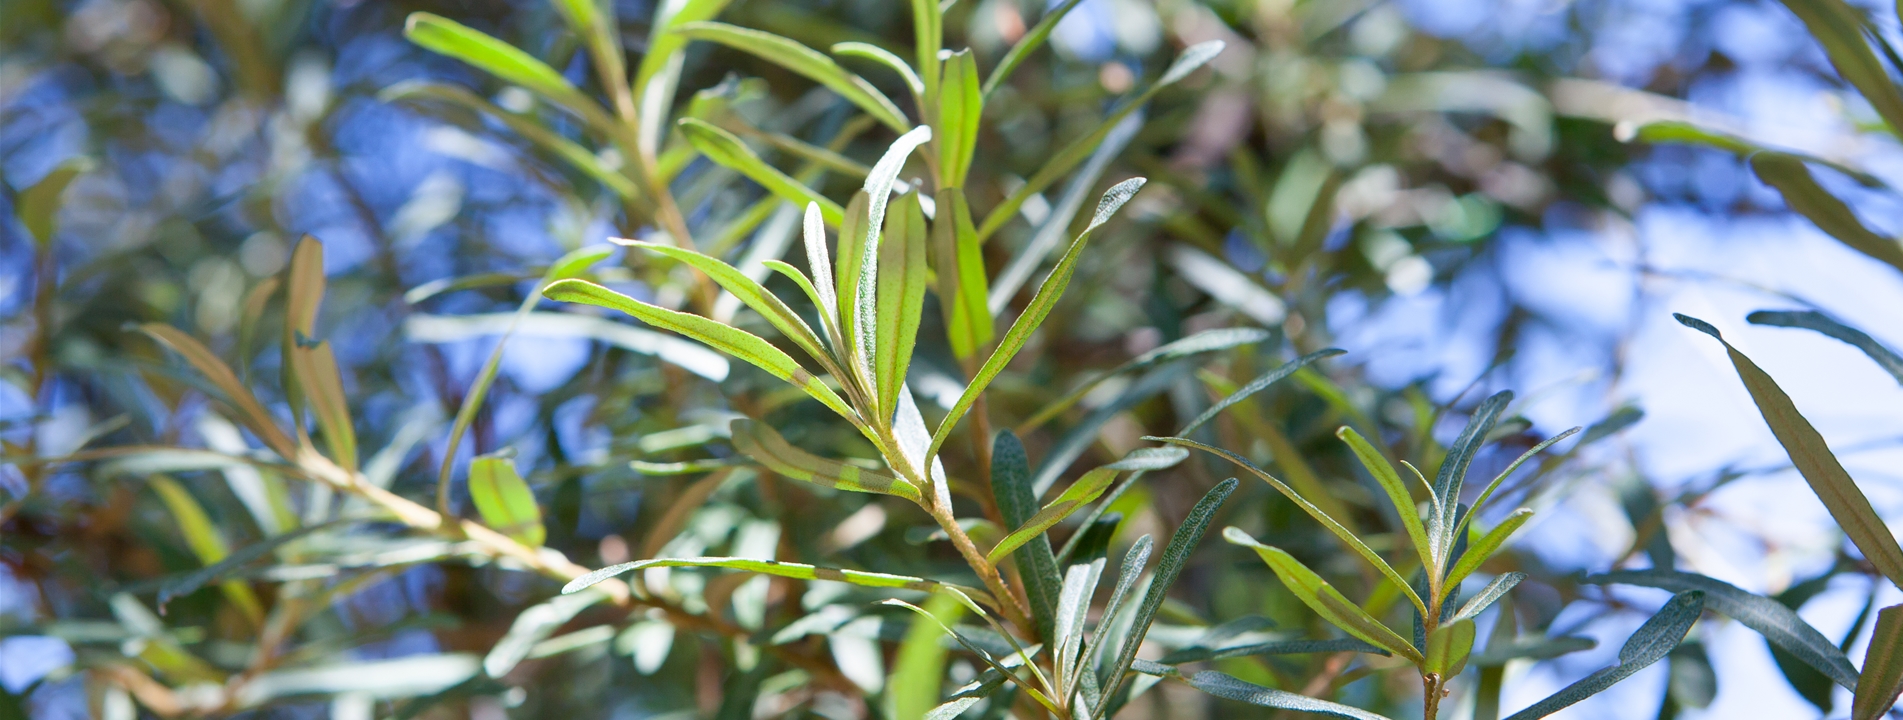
722	147
1793	180
321	384
765	445
505	501
447	37
804	61
1453	470
1028	44
1489	594
818	260
1649	644
884	57
1779	625
1128	574
865	307
1812	456
1192	58
901	297
732	341
1080	493
796	571
1398	495
1324	599
1888	359
1175	557
1280	647
847	265
1229	687
1011	489
1882	667
1203	342
1347	537
751	293
1487	494
919	668
254	416
1034	314
962	284
188	583
928	36
960	105
1480	550
205	540
1258	385
1840	29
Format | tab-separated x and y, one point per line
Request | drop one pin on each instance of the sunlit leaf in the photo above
1324	599
762	443
1481	549
1258	385
722	147
1175	557
252	414
1882	667
206	540
444	36
1801	192
901	297
1812	456
960	106
1488	595
532	626
919	667
1448	647
1034	314
796	571
38	205
1200	343
1028	44
959	263
1840	29
804	61
505	501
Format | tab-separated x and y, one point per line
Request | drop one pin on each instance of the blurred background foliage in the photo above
1444	189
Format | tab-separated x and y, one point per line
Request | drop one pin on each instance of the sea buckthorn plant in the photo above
291	442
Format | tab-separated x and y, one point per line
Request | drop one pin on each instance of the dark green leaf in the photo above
1813	320
1778	624
1228	687
1649	644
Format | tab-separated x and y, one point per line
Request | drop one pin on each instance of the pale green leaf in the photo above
1324	599
505	501
37	207
722	147
804	61
765	445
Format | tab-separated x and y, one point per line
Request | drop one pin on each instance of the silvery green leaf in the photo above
1778	624
1649	644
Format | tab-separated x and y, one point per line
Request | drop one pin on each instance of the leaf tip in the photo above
1697	324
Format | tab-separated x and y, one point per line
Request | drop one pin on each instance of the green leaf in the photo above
1812	456
1200	343
1453	471
38	206
1258	385
1347	537
1481	502
1028	44
1192	58
505	501
722	147
1390	482
724	338
868	51
1489	594
960	106
960	265
1324	599
824	291
866	320
1448	647
847	264
1017	502
686	354
252	414
1128	573
415	91
1813	320
1780	625
206	541
1840	29
1801	192
1649	644
1479	551
444	36
901	298
1175	557
1532	648
762	443
321	385
919	669
1034	314
1282	647
1882	667
1022	656
796	571
753	295
1229	688
928	35
1086	489
664	44
804	61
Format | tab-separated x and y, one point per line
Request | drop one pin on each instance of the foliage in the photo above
384	511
